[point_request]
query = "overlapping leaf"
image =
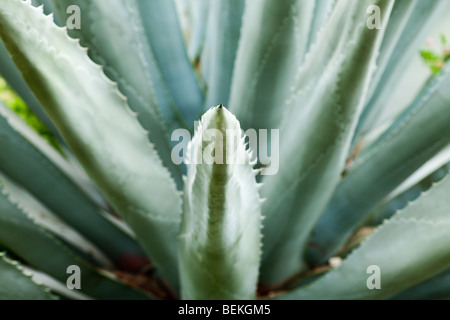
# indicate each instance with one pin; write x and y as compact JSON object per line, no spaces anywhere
{"x":316,"y":133}
{"x":385,"y":165}
{"x":220,"y":238}
{"x":410,"y":248}
{"x":97,"y":124}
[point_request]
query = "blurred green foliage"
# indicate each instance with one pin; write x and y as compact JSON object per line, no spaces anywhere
{"x":16,"y":104}
{"x":435,"y":58}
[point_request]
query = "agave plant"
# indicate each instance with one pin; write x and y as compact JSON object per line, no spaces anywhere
{"x":355,"y":210}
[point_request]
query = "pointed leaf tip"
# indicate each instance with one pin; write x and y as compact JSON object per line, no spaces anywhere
{"x":220,"y":233}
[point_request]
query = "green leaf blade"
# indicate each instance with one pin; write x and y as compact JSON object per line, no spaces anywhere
{"x":128,"y":60}
{"x":25,"y":160}
{"x":432,"y":289}
{"x":15,"y":285}
{"x":224,"y":29}
{"x":385,"y":165}
{"x":158,"y":17}
{"x":273,"y":44}
{"x":411,"y":26}
{"x":315,"y":138}
{"x":409,"y":248}
{"x":220,"y":234}
{"x":41,"y":249}
{"x":99,"y":127}
{"x":13,"y":77}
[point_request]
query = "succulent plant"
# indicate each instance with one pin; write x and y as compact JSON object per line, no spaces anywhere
{"x":353,"y":211}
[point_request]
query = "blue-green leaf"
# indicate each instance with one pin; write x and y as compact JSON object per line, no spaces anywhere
{"x":273,"y":42}
{"x":322,"y":12}
{"x":408,"y":249}
{"x":130,"y":61}
{"x":412,"y":22}
{"x":315,"y":136}
{"x":40,"y":249}
{"x":12,"y":75}
{"x":98,"y":126}
{"x":159,"y":17}
{"x":26,"y":159}
{"x":199,"y":11}
{"x":438,"y":287}
{"x":224,"y":28}
{"x":391,"y":205}
{"x":220,"y":239}
{"x":15,"y":285}
{"x":419,"y":133}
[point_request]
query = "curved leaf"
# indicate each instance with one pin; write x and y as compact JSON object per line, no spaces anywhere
{"x":97,"y":125}
{"x":224,"y":28}
{"x":48,"y":220}
{"x":390,"y":206}
{"x":322,"y":12}
{"x":437,"y":287}
{"x":220,"y":238}
{"x":273,"y":43}
{"x":40,"y":249}
{"x":419,"y":133}
{"x":26,"y":160}
{"x":159,"y":16}
{"x":315,"y":138}
{"x":408,"y":249}
{"x":199,"y":10}
{"x":406,"y":36}
{"x":12,"y":75}
{"x":15,"y":285}
{"x":130,"y":61}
